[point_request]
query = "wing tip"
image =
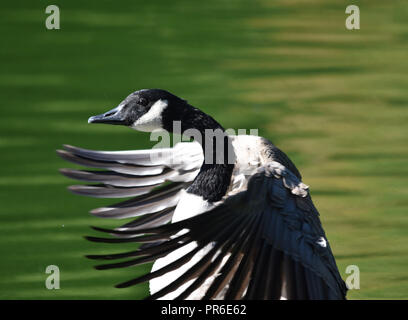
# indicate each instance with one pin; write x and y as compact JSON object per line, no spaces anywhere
{"x":93,"y":256}
{"x":94,"y":239}
{"x":69,"y":147}
{"x":102,"y":267}
{"x":76,"y":188}
{"x":102,"y":229}
{"x":64,"y":171}
{"x":123,"y":285}
{"x":61,"y":152}
{"x":101,"y":212}
{"x":72,"y":173}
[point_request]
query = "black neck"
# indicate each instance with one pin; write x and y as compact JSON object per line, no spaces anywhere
{"x":215,"y":174}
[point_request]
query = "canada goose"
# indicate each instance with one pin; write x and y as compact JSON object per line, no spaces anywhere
{"x":245,"y":228}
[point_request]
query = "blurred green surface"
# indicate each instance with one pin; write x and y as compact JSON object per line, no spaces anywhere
{"x":334,"y":100}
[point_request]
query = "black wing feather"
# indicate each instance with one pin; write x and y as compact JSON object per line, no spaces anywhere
{"x":279,"y":256}
{"x":269,"y":233}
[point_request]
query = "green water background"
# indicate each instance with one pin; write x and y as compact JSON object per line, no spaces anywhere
{"x":334,"y":100}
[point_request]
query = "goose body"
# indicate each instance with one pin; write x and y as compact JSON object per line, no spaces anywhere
{"x":233,"y":223}
{"x":250,"y":154}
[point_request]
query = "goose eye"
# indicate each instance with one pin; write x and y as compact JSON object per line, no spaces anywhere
{"x":142,"y":101}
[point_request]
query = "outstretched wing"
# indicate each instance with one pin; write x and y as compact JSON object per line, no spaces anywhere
{"x":152,"y":178}
{"x":265,"y":243}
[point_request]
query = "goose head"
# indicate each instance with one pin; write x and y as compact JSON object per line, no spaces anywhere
{"x":145,"y":110}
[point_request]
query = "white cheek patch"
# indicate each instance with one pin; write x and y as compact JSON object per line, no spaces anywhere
{"x":151,"y":120}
